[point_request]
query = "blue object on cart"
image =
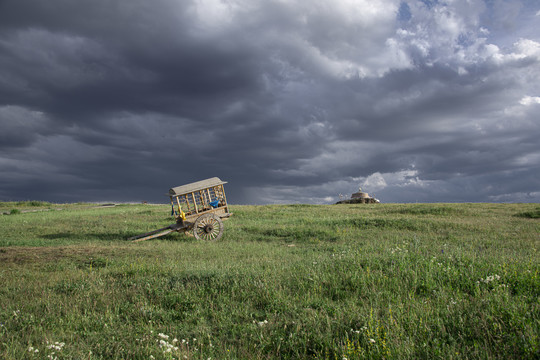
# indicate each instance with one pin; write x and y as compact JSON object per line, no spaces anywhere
{"x":214,"y":203}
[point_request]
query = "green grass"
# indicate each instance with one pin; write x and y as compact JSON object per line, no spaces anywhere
{"x":533,"y":214}
{"x":376,"y":281}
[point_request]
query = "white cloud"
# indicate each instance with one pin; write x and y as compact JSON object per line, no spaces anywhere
{"x":527,"y":48}
{"x":462,"y":71}
{"x":214,"y":15}
{"x":374,"y":182}
{"x":529,"y":100}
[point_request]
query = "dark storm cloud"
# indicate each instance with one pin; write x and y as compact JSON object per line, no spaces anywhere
{"x":287,"y":100}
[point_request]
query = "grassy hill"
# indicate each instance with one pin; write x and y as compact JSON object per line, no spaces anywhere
{"x":447,"y":281}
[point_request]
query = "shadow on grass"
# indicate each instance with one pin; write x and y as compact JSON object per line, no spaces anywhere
{"x":119,"y":236}
{"x":427,"y":210}
{"x":534,"y":214}
{"x":298,"y":234}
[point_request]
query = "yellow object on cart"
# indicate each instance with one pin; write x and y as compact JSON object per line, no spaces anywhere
{"x":182,"y":214}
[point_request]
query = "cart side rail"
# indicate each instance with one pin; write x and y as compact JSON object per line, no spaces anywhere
{"x":211,"y":199}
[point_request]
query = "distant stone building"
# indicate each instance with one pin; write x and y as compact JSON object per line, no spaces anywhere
{"x":359,"y":198}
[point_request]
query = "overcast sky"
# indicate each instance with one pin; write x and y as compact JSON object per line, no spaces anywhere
{"x":290,"y":101}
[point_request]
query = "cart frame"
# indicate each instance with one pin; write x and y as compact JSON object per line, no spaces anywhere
{"x":197,"y":207}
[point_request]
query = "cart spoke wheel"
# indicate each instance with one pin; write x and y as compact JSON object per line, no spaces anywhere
{"x":208,"y":227}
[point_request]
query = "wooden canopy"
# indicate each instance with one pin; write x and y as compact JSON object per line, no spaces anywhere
{"x":196,"y":186}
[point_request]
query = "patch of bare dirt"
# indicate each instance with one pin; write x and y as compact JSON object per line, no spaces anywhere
{"x":26,"y":255}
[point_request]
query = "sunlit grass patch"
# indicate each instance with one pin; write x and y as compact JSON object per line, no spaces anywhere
{"x":425,"y":209}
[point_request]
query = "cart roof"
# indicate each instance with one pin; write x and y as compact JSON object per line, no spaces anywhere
{"x":199,"y":185}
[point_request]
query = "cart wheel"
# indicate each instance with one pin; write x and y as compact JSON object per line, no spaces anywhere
{"x":208,"y":227}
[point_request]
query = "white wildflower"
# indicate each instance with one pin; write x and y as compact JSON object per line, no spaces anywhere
{"x":262,"y":323}
{"x":56,"y":346}
{"x":490,"y":278}
{"x":372,"y":341}
{"x":163,"y":336}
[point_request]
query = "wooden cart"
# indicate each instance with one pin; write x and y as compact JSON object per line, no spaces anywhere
{"x":198,"y":209}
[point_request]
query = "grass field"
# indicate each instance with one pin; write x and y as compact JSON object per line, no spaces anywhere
{"x":381,"y":281}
